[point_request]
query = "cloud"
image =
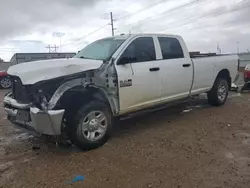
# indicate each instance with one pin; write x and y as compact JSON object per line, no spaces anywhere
{"x":28,"y":25}
{"x":203,"y":24}
{"x":26,"y":16}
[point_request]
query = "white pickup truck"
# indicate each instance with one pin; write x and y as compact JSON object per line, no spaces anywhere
{"x":112,"y":77}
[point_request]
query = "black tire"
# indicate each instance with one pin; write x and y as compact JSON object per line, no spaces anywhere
{"x":215,"y":96}
{"x":5,"y":82}
{"x":76,"y":133}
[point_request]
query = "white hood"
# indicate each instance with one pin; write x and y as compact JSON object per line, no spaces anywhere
{"x":33,"y":72}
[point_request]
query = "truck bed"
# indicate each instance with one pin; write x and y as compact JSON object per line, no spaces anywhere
{"x":198,"y":54}
{"x":207,"y":68}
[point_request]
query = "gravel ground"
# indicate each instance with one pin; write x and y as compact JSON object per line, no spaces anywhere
{"x":202,"y":146}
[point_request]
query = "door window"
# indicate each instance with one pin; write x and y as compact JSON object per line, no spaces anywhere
{"x":170,"y":48}
{"x":140,"y":50}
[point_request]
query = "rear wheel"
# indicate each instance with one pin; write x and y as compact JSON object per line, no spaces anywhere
{"x":5,"y":82}
{"x":219,"y":93}
{"x":91,"y":126}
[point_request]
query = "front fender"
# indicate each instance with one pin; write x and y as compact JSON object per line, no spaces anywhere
{"x":82,"y":82}
{"x":63,"y":88}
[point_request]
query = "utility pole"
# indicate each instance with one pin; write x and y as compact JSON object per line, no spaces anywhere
{"x":52,"y":49}
{"x":59,"y":35}
{"x":238,"y":47}
{"x":218,"y":48}
{"x":112,"y":23}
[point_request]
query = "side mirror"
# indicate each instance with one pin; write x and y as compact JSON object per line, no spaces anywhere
{"x":123,"y":61}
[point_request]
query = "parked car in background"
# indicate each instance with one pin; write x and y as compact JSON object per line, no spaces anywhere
{"x":5,"y":81}
{"x":247,"y":73}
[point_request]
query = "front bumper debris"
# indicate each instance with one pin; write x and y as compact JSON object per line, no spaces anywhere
{"x":31,"y":118}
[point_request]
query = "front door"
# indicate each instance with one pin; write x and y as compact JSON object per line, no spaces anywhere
{"x":139,"y":79}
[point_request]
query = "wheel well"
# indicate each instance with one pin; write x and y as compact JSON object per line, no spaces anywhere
{"x":73,"y":99}
{"x":225,"y":74}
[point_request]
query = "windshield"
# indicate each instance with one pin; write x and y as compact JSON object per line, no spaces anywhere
{"x":101,"y":50}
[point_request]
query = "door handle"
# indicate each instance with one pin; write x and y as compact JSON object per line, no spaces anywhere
{"x":186,"y":65}
{"x":154,"y":69}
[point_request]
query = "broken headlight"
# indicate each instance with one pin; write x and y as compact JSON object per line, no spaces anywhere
{"x":41,"y":93}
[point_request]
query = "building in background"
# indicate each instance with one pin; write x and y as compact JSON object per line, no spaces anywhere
{"x":27,"y":57}
{"x":4,"y":65}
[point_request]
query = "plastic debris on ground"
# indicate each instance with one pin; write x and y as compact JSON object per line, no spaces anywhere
{"x":188,"y":110}
{"x":76,"y":179}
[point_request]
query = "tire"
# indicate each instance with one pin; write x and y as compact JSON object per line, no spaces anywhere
{"x":219,"y":93}
{"x":5,"y":82}
{"x":93,"y":116}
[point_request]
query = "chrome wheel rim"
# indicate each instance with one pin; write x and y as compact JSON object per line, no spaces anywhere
{"x":94,"y":126}
{"x":222,"y":92}
{"x":5,"y":83}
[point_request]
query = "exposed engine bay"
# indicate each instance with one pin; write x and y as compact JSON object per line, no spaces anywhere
{"x":46,"y":95}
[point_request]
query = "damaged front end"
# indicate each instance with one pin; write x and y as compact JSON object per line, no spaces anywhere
{"x":26,"y":106}
{"x":39,"y":107}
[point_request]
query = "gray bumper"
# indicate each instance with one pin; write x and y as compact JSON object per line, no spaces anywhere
{"x":42,"y":122}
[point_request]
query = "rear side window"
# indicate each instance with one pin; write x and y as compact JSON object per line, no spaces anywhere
{"x":170,"y":48}
{"x":141,"y":50}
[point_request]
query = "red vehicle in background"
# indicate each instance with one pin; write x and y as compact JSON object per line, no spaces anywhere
{"x":247,"y":74}
{"x":5,"y":81}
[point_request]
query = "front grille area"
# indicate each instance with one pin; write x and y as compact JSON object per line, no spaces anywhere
{"x":19,"y":91}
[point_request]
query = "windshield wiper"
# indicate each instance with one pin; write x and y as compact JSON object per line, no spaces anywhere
{"x":82,"y":57}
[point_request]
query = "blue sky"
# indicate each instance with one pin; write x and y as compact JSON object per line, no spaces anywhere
{"x":28,"y":25}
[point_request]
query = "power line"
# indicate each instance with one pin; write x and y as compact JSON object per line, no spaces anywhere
{"x":80,"y":38}
{"x":170,"y":10}
{"x":112,"y":26}
{"x":100,"y":28}
{"x":206,"y":26}
{"x":216,"y":12}
{"x":142,"y":10}
{"x":112,"y":20}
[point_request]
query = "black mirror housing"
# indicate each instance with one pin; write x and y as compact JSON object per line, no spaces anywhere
{"x":123,"y":61}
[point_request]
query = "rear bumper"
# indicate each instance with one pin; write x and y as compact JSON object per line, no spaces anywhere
{"x":31,"y":118}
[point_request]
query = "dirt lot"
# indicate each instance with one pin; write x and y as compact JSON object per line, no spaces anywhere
{"x":203,"y":147}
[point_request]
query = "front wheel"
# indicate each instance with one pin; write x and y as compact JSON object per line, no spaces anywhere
{"x":91,"y":126}
{"x":219,"y":93}
{"x":5,"y":82}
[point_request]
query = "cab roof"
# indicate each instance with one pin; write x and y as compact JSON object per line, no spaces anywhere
{"x":126,"y":36}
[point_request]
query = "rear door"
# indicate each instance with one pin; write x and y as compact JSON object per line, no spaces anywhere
{"x":139,"y":79}
{"x":176,"y":70}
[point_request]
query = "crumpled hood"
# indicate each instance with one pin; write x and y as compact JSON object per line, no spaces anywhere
{"x":33,"y":72}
